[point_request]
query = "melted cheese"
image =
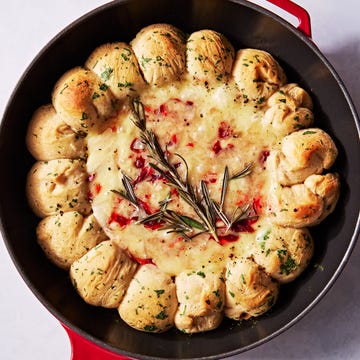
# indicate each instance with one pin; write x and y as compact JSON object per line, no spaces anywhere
{"x":210,"y":129}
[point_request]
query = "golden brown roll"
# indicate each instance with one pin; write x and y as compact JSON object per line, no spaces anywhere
{"x":58,"y":186}
{"x":150,"y":301}
{"x":257,"y":74}
{"x":49,"y":137}
{"x":294,"y":206}
{"x":249,"y":290}
{"x":83,"y":100}
{"x":160,"y":50}
{"x":201,"y":298}
{"x":117,"y":66}
{"x":289,"y":109}
{"x":299,"y":205}
{"x":304,"y":153}
{"x":327,"y":187}
{"x":102,"y":275}
{"x":66,"y":237}
{"x":210,"y":56}
{"x":282,"y":252}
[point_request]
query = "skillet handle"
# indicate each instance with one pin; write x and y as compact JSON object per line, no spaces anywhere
{"x":83,"y":349}
{"x":299,"y":12}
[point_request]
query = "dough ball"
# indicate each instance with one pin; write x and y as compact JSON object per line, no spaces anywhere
{"x":210,"y":56}
{"x":66,"y":237}
{"x":249,"y":290}
{"x":160,"y":50}
{"x":257,"y":74}
{"x":304,"y":153}
{"x":102,"y":275}
{"x":150,"y":301}
{"x":289,"y":109}
{"x":83,"y":100}
{"x":295,"y":206}
{"x":327,"y":187}
{"x":117,"y":66}
{"x":49,"y":137}
{"x":300,"y":205}
{"x":283,"y":253}
{"x":58,"y":186}
{"x":201,"y":298}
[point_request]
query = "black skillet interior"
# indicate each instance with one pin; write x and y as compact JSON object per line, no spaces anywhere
{"x":246,"y":25}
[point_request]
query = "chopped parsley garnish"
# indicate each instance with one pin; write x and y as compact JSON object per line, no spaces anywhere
{"x":159,"y":292}
{"x":144,"y":61}
{"x":161,"y":315}
{"x":105,"y":75}
{"x":308,"y":132}
{"x":125,"y":84}
{"x":151,"y":328}
{"x":288,"y":266}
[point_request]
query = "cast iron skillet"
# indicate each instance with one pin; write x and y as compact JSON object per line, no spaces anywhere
{"x":246,"y":25}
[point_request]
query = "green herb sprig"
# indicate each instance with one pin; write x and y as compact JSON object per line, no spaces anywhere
{"x":207,"y":210}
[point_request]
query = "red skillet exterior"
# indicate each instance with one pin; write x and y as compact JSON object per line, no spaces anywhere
{"x":246,"y":25}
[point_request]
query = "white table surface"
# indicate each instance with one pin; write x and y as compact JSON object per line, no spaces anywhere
{"x":28,"y":331}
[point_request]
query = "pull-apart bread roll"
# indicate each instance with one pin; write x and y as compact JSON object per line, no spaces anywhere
{"x":282,"y":252}
{"x":118,"y":68}
{"x":296,"y":198}
{"x":304,"y":153}
{"x":201,"y":298}
{"x":257,"y":74}
{"x":83,"y":100}
{"x":58,"y":186}
{"x":160,"y":50}
{"x":327,"y":187}
{"x":150,"y":301}
{"x":102,"y":276}
{"x":66,"y":237}
{"x":249,"y":290}
{"x":305,"y":204}
{"x":289,"y":109}
{"x":49,"y":137}
{"x":210,"y":56}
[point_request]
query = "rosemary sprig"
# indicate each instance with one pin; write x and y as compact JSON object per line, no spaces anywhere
{"x":128,"y":193}
{"x":182,"y":225}
{"x":224,"y":187}
{"x":174,"y":223}
{"x":165,"y":168}
{"x":219,"y":208}
{"x":242,"y":173}
{"x":207,"y":210}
